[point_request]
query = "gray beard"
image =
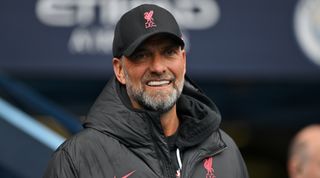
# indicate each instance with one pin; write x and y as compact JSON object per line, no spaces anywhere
{"x":155,"y":103}
{"x":161,"y":102}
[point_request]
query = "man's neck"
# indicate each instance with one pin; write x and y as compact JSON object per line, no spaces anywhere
{"x":170,"y":122}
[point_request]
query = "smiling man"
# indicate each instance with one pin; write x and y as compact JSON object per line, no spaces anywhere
{"x":150,"y":120}
{"x":154,"y":73}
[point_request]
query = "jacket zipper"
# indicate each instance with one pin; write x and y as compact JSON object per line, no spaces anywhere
{"x":164,"y":163}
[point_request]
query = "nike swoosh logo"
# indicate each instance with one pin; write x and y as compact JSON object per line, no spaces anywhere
{"x":126,"y":176}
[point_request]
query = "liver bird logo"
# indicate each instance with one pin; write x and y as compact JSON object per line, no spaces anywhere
{"x":148,"y":16}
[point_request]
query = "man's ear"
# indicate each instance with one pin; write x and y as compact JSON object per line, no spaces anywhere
{"x":184,"y":58}
{"x":118,"y":70}
{"x":294,"y":168}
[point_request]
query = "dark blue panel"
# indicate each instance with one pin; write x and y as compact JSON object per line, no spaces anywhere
{"x":249,"y":39}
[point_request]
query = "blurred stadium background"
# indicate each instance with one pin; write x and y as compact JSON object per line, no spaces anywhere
{"x":258,"y":60}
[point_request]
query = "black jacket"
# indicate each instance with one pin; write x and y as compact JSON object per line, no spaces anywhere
{"x":121,"y":142}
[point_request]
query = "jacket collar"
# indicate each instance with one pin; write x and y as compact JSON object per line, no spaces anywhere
{"x":113,"y":115}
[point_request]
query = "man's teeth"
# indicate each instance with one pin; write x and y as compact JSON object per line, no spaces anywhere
{"x":158,"y":83}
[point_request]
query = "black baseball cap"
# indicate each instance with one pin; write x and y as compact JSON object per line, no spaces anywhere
{"x":140,"y":23}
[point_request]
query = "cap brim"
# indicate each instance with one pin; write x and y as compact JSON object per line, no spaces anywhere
{"x":130,"y":50}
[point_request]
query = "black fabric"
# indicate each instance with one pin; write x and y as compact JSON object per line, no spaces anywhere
{"x":171,"y":140}
{"x":197,"y":122}
{"x":118,"y":140}
{"x":131,"y":30}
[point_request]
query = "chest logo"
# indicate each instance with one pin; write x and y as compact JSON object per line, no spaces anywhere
{"x":208,"y":166}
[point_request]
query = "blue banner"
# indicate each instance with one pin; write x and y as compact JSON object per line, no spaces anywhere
{"x":249,"y":39}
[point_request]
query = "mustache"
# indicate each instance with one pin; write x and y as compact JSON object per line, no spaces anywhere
{"x":156,"y":76}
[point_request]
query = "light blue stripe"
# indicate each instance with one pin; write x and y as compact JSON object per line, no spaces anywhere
{"x":29,"y":125}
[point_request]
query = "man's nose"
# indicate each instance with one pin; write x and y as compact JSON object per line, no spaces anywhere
{"x":158,"y":64}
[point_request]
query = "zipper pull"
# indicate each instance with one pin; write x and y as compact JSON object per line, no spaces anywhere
{"x":178,"y":173}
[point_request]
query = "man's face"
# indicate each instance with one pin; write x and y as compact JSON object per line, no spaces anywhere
{"x":311,"y":169}
{"x":305,"y":161}
{"x":153,"y":74}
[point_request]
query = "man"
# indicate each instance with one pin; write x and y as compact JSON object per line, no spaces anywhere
{"x":150,"y":120}
{"x":304,"y":153}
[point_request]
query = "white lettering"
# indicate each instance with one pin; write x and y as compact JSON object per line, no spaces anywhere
{"x":190,"y":14}
{"x":85,"y":12}
{"x":81,"y":41}
{"x":92,"y":18}
{"x":56,"y":12}
{"x":93,"y":41}
{"x":103,"y":41}
{"x":111,"y":11}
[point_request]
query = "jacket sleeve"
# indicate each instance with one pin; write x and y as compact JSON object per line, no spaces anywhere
{"x":242,"y":166}
{"x":60,"y":166}
{"x":234,"y":154}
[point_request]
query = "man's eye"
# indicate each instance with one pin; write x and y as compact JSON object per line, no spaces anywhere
{"x":171,"y":52}
{"x":138,"y":56}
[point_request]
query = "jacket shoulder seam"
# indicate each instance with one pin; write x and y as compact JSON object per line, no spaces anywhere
{"x":74,"y":169}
